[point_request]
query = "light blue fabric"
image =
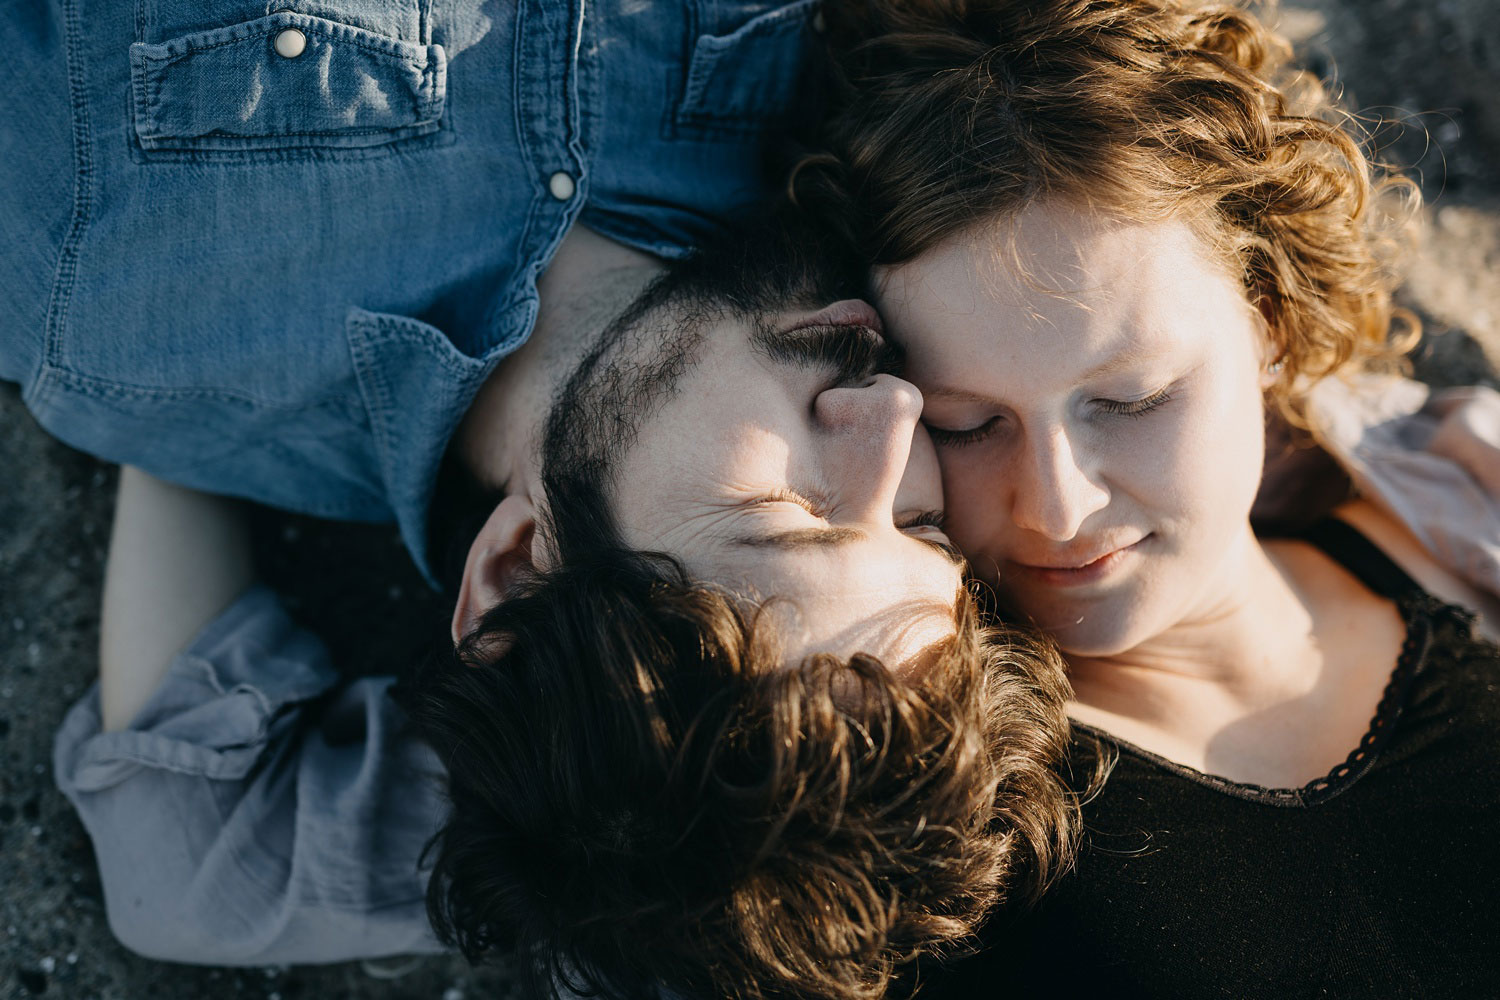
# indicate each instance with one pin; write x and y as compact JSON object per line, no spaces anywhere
{"x":257,"y":812}
{"x":284,"y":277}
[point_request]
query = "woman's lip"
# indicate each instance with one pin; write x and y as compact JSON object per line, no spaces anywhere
{"x":1089,"y":572}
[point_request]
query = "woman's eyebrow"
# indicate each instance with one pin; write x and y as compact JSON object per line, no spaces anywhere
{"x":1128,"y":359}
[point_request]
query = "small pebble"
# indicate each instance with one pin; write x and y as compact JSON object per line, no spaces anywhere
{"x":48,"y":965}
{"x":72,"y":958}
{"x":453,"y":993}
{"x":34,"y":652}
{"x":19,"y":624}
{"x":1447,"y":132}
{"x":36,"y":831}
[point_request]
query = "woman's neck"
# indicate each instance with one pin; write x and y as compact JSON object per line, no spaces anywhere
{"x":1273,"y":680}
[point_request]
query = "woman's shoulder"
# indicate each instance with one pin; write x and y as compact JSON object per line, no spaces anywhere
{"x":1397,"y":541}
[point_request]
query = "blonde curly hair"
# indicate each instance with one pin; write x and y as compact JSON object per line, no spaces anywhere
{"x":947,"y":112}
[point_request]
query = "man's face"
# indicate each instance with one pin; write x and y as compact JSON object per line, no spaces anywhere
{"x":779,"y":461}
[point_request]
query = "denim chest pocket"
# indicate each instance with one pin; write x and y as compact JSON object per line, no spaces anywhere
{"x":743,"y":76}
{"x":280,"y":84}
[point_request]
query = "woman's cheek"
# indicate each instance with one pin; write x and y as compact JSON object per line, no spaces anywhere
{"x":973,"y":501}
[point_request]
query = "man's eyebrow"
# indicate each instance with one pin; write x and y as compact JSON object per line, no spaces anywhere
{"x":802,"y":538}
{"x":845,"y":346}
{"x":816,"y":538}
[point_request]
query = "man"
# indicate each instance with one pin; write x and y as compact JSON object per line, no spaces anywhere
{"x":651,"y":778}
{"x":292,"y":257}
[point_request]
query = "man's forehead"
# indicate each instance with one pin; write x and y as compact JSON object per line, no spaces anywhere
{"x":898,"y":631}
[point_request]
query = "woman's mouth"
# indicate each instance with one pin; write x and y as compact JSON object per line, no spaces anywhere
{"x":1075,"y":572}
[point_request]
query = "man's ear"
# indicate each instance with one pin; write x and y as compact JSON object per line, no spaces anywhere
{"x":500,"y":554}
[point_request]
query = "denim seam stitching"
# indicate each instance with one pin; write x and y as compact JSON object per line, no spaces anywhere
{"x":335,"y":33}
{"x":432,"y":135}
{"x":376,"y":396}
{"x":67,"y":261}
{"x":107,"y":389}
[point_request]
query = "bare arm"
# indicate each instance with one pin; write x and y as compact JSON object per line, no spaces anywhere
{"x":177,"y":558}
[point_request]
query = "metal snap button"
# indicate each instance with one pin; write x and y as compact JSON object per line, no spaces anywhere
{"x":561,"y":186}
{"x":290,"y":43}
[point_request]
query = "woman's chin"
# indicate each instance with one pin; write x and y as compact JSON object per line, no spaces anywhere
{"x":1088,"y":629}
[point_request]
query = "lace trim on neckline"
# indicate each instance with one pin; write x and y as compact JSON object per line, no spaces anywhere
{"x":1418,"y":611}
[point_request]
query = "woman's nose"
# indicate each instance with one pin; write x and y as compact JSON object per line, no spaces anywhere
{"x":1052,"y":493}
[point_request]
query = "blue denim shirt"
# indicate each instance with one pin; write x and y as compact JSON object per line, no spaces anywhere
{"x":272,"y":248}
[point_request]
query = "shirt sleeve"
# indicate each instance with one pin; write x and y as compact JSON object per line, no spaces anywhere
{"x":1427,"y":459}
{"x":258,"y":810}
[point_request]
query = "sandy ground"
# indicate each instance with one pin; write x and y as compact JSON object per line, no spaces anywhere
{"x":1430,"y":69}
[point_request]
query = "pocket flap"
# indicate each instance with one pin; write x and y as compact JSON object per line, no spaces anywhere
{"x":752,"y":73}
{"x":232,"y":88}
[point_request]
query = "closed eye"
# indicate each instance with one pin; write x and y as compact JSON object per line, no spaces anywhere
{"x":1134,"y":407}
{"x":922,"y":519}
{"x":815,"y":507}
{"x":957,"y":439}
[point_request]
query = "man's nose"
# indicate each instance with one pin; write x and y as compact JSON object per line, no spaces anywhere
{"x":1052,"y":493}
{"x":869,"y":432}
{"x":881,"y":404}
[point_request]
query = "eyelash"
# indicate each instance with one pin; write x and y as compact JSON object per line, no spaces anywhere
{"x":1135,"y":407}
{"x":924,"y":519}
{"x":957,"y":439}
{"x":793,"y":497}
{"x":1123,"y":408}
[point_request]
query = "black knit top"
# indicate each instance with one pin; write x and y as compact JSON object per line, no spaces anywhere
{"x":1381,"y":879}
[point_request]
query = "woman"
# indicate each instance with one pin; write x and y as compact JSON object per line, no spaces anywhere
{"x":1111,"y":238}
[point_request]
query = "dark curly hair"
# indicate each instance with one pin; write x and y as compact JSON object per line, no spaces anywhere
{"x":642,"y":795}
{"x":946,"y":113}
{"x":645,"y":793}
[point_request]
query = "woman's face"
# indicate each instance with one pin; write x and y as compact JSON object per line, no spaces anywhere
{"x":1094,"y":389}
